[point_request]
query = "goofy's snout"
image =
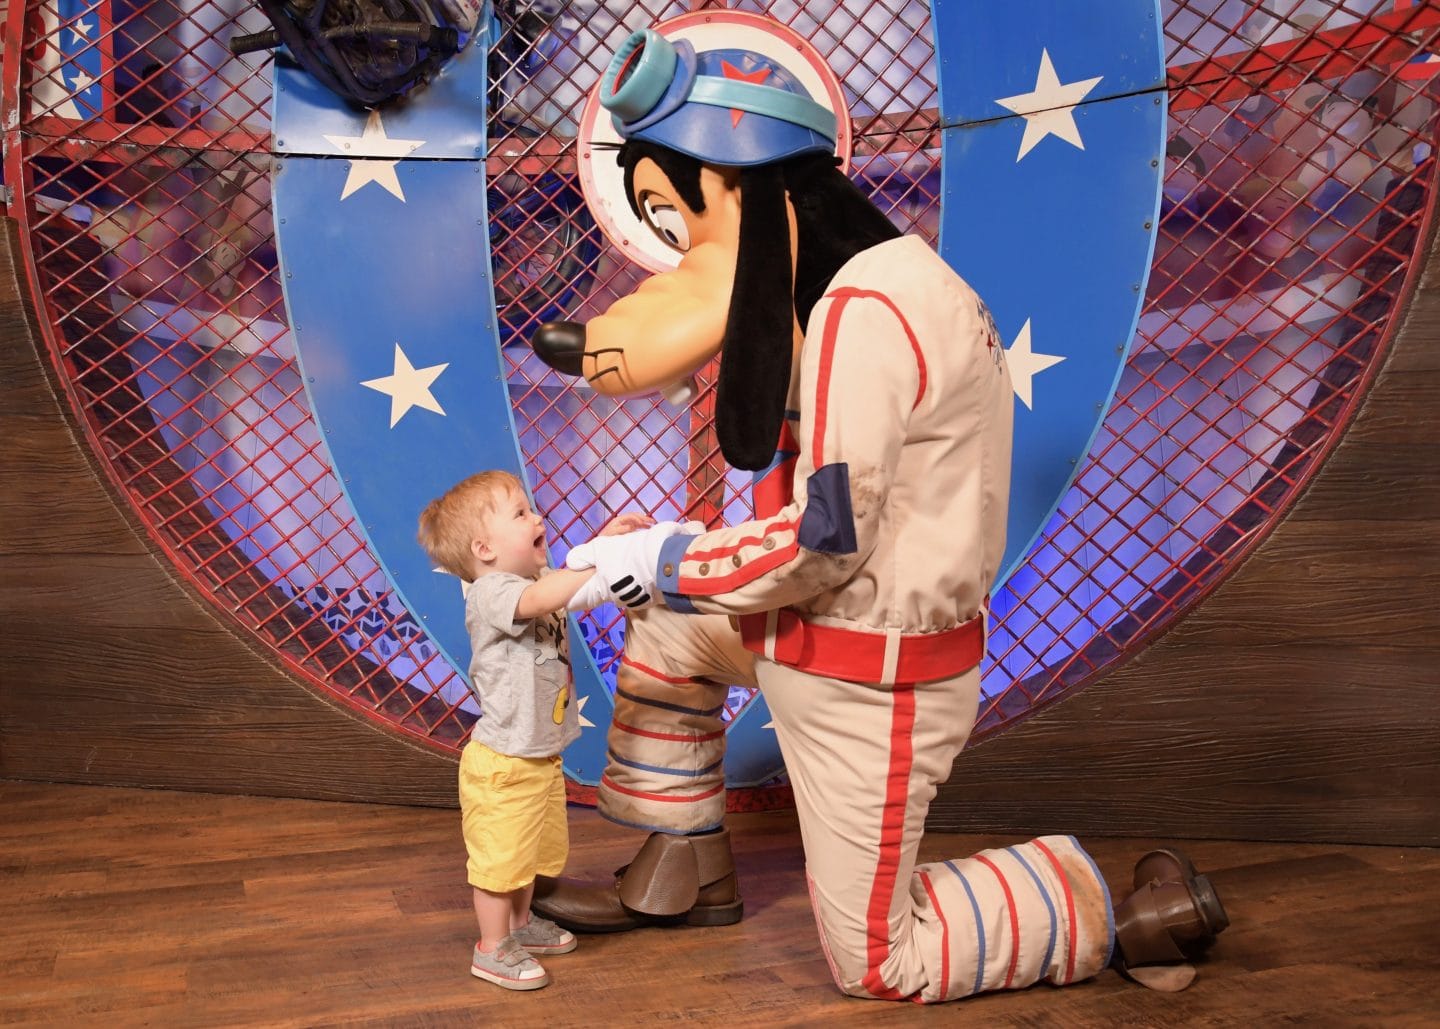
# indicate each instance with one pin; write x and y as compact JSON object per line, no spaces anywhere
{"x":561,"y":345}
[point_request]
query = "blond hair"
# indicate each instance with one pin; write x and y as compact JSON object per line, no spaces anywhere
{"x":448,"y":523}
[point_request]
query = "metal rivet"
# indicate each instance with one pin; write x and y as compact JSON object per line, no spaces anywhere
{"x":705,"y":568}
{"x":668,"y":570}
{"x":735,"y":560}
{"x":769,"y":544}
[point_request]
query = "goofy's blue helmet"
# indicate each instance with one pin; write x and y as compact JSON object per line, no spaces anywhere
{"x":724,"y":107}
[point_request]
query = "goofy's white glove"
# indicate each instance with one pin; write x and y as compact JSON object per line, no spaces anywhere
{"x":624,"y":565}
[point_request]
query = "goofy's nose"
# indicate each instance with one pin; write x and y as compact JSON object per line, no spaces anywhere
{"x":561,"y":345}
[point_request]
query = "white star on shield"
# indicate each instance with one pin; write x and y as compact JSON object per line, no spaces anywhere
{"x":1049,"y":110}
{"x":1025,"y":364}
{"x":408,"y":386}
{"x":370,"y":144}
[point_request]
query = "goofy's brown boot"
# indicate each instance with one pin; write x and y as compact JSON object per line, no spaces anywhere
{"x":1172,"y":916}
{"x":674,"y":880}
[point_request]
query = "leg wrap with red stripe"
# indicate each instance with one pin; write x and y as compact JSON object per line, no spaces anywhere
{"x":1010,"y":917}
{"x":667,"y":740}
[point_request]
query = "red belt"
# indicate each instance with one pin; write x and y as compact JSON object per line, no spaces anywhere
{"x":856,"y":656}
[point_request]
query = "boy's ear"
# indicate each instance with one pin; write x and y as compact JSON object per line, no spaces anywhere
{"x":481,"y":550}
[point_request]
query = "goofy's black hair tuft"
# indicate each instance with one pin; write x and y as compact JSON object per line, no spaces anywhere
{"x":834,"y":221}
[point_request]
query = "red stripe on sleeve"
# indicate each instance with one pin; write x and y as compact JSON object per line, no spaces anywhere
{"x":729,"y":549}
{"x":748,"y":572}
{"x":851,"y":293}
{"x":822,"y":383}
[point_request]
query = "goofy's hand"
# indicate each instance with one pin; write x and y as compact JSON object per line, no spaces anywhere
{"x":625,"y":565}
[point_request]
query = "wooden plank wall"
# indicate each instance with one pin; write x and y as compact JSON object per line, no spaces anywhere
{"x":1297,"y":702}
{"x":112,"y":669}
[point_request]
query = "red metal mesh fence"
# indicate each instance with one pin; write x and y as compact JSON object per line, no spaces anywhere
{"x":1298,"y":178}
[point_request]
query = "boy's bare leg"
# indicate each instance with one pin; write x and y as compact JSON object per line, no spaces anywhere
{"x":499,"y":957}
{"x":520,"y":906}
{"x":493,"y":913}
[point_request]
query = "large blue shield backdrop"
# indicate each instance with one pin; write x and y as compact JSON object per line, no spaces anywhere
{"x":382,"y":227}
{"x":1053,"y":136}
{"x":1052,"y":119}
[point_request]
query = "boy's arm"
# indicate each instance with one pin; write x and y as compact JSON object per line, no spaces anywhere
{"x":550,"y":593}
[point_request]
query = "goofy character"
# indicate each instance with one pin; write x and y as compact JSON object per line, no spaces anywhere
{"x":855,"y":599}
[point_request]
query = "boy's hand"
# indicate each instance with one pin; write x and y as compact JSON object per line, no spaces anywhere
{"x":621,"y":524}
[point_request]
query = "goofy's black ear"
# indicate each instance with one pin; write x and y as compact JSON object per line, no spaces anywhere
{"x":757,"y":349}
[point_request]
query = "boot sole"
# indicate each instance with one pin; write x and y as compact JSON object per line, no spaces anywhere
{"x":589,"y":928}
{"x":708,"y":916}
{"x":716,"y":914}
{"x":1207,"y":902}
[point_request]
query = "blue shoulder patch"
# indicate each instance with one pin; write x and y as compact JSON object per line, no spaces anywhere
{"x":828,"y":526}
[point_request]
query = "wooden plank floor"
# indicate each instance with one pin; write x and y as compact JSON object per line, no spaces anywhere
{"x":134,"y":907}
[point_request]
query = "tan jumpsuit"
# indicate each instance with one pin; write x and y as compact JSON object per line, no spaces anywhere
{"x":859,"y":597}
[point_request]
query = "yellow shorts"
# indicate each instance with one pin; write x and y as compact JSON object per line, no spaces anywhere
{"x":513,"y":813}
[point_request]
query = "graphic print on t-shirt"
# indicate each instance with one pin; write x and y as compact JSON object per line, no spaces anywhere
{"x":550,"y":639}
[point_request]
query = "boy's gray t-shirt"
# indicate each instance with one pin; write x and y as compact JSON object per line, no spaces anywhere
{"x":520,"y":671}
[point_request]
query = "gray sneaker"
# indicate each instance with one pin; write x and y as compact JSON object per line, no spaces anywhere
{"x":509,"y":965}
{"x":542,"y":936}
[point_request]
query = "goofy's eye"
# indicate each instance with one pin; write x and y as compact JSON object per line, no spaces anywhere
{"x":665,"y":221}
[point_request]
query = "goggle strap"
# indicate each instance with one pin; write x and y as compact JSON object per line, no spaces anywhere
{"x":765,"y":100}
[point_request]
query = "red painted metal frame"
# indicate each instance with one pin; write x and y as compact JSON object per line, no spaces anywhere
{"x":1329,"y":54}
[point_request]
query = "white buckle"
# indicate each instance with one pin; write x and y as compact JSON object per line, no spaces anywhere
{"x":892,"y":657}
{"x":772,"y":620}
